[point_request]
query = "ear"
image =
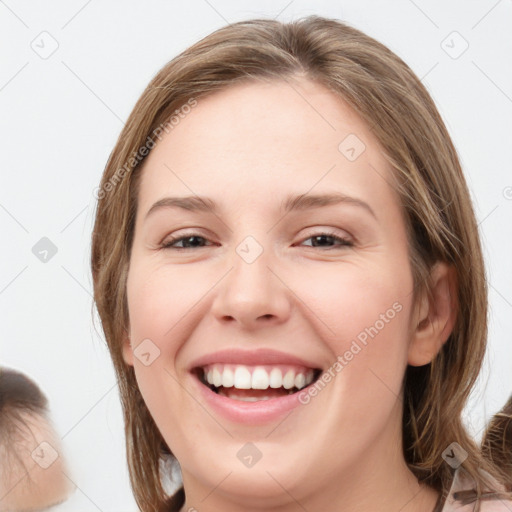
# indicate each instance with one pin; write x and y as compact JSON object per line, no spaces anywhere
{"x":434,"y":319}
{"x":127,"y":349}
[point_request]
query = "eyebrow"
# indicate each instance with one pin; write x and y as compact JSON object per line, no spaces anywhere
{"x":291,"y":203}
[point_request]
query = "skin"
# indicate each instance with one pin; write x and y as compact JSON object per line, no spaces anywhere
{"x":247,"y":147}
{"x":36,"y":485}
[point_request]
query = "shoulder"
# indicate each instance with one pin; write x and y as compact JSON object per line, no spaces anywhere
{"x":462,"y":482}
{"x":496,"y":506}
{"x":485,"y":506}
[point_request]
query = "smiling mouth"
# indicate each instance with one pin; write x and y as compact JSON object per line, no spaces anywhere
{"x":255,"y":383}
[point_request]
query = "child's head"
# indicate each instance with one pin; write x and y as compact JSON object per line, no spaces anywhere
{"x":31,"y":469}
{"x":274,"y":122}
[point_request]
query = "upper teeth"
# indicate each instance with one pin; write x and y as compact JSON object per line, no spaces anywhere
{"x":257,"y":377}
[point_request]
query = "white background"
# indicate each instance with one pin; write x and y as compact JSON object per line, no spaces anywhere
{"x":60,"y":118}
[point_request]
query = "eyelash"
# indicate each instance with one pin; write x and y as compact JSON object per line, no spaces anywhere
{"x":344,"y":242}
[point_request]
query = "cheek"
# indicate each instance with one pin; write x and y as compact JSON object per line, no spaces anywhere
{"x":161,"y":310}
{"x":158,"y":299}
{"x":361,"y":314}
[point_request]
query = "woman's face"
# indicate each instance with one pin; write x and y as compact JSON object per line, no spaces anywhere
{"x":259,"y":295}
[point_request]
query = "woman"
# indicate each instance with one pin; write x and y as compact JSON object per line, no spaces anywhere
{"x":280,"y":260}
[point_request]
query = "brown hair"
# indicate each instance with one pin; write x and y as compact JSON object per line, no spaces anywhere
{"x":24,"y":425}
{"x":439,"y":217}
{"x":19,"y":397}
{"x":497,"y":439}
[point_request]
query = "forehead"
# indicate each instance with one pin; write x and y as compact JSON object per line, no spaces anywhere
{"x":258,"y":138}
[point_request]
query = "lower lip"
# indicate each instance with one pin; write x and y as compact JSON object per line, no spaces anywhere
{"x":254,"y":413}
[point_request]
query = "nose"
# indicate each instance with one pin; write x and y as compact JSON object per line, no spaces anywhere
{"x":252,"y":294}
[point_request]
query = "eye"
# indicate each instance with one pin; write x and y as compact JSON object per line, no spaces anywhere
{"x":189,"y":241}
{"x":320,"y":238}
{"x":194,"y":241}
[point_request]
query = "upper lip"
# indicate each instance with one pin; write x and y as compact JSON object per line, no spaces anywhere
{"x":256,"y":357}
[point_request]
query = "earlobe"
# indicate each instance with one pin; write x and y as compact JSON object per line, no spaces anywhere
{"x":127,"y":349}
{"x":436,"y":316}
